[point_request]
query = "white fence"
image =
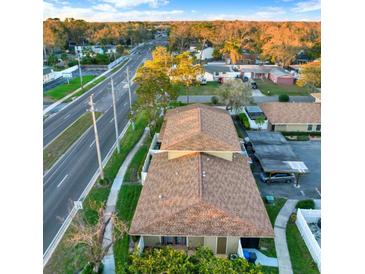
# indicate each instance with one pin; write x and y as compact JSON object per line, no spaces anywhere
{"x":305,"y":216}
{"x":151,"y":151}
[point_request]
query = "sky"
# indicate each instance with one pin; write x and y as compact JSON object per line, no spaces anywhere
{"x":166,"y":10}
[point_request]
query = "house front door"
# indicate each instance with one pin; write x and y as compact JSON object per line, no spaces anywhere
{"x":221,"y":245}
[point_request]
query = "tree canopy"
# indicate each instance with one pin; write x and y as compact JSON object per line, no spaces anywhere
{"x":310,"y":74}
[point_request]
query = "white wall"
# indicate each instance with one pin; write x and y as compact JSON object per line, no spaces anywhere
{"x":303,"y":217}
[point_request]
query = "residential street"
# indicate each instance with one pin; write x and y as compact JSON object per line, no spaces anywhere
{"x":65,"y":182}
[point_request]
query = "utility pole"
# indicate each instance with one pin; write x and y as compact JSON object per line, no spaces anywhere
{"x":115,"y":117}
{"x":78,"y":60}
{"x":130,"y":97}
{"x":92,"y":110}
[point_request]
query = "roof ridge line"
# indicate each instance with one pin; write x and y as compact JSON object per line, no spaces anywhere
{"x":200,"y":182}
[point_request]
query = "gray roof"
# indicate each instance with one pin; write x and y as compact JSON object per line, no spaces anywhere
{"x":216,"y":68}
{"x":254,"y":109}
{"x":275,"y":153}
{"x":280,"y":72}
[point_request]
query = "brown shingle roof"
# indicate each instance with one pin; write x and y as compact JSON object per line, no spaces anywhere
{"x":198,"y":195}
{"x":198,"y":128}
{"x":296,"y":113}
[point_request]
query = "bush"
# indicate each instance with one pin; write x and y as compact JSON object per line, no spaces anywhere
{"x":293,"y":218}
{"x":284,"y":98}
{"x":244,"y":120}
{"x":214,"y":100}
{"x":305,"y":204}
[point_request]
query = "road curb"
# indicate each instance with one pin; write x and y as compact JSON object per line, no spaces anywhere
{"x":56,"y":240}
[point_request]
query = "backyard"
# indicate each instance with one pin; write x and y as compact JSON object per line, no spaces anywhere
{"x":269,"y":88}
{"x":211,"y":88}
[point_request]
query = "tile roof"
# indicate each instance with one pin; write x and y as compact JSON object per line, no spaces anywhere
{"x":199,"y":194}
{"x":198,"y":128}
{"x":292,"y":113}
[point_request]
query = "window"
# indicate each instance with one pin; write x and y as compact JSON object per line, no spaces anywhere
{"x":318,"y":128}
{"x":174,"y":240}
{"x":310,"y":127}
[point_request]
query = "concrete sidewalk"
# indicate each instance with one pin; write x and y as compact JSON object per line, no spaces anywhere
{"x":108,"y":261}
{"x":281,"y":245}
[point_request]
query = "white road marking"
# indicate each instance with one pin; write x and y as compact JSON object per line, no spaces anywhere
{"x":319,"y":193}
{"x":92,"y":143}
{"x":111,"y":120}
{"x":302,"y":192}
{"x":68,"y":115}
{"x":64,"y":178}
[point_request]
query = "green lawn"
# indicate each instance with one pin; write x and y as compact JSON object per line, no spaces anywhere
{"x":133,"y":172}
{"x":267,"y":246}
{"x":211,"y":88}
{"x":267,"y":87}
{"x":59,"y":146}
{"x":64,"y":89}
{"x":93,"y":84}
{"x":126,"y":205}
{"x":68,"y":260}
{"x":300,"y":257}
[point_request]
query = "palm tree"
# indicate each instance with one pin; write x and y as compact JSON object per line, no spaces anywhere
{"x":233,"y":48}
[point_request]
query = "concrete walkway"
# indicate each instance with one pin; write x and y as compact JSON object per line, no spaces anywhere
{"x":281,"y":245}
{"x":108,"y":261}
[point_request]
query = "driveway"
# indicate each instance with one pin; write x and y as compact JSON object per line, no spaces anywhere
{"x":310,"y":153}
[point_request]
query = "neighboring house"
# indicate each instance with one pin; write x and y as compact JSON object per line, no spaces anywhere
{"x":96,"y":49}
{"x":281,"y":77}
{"x":205,"y":54}
{"x":304,"y":117}
{"x":214,"y":71}
{"x":199,"y":189}
{"x":316,"y":96}
{"x":48,"y":75}
{"x":276,"y":74}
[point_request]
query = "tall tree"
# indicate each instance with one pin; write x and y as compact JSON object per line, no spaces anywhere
{"x":310,"y":75}
{"x":233,"y":49}
{"x":185,"y":72}
{"x":154,"y":93}
{"x":235,"y":94}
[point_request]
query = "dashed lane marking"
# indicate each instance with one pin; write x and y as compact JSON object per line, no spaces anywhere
{"x":64,"y":178}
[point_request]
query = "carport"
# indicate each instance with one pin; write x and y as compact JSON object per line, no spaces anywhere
{"x":275,"y":154}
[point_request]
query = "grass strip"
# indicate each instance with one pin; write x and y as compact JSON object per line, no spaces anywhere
{"x":60,"y":145}
{"x":210,"y":88}
{"x":269,"y":88}
{"x":267,"y":245}
{"x":62,"y":90}
{"x":68,"y":260}
{"x":119,"y":66}
{"x":134,"y":170}
{"x":126,"y":205}
{"x":82,"y":91}
{"x":301,"y":260}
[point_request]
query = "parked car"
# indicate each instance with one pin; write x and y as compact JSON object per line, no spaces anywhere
{"x":253,"y":85}
{"x":203,"y":81}
{"x":277,"y":177}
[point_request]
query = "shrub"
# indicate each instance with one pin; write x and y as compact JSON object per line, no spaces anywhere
{"x":244,"y":120}
{"x":305,"y":204}
{"x":293,"y":218}
{"x":284,"y":98}
{"x":214,"y":100}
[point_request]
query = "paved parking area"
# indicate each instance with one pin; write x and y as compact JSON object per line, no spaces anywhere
{"x":310,"y":153}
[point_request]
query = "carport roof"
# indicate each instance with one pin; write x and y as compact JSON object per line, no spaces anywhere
{"x":274,"y":152}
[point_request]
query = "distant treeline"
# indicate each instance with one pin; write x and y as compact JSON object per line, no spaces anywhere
{"x":278,"y":42}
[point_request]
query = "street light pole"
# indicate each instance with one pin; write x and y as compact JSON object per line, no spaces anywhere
{"x":92,"y":110}
{"x":78,"y":60}
{"x":115,"y":117}
{"x":130,"y":97}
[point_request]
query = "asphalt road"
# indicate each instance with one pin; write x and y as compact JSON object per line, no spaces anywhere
{"x":58,"y":122}
{"x":67,"y":179}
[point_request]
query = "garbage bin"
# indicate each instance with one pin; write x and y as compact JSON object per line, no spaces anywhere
{"x":252,"y":257}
